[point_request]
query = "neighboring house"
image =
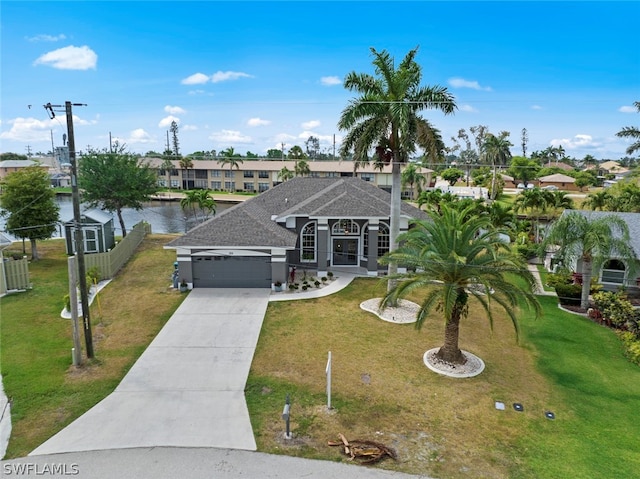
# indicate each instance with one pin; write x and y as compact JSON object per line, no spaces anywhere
{"x":614,"y":273}
{"x":261,"y":175}
{"x":11,"y":166}
{"x":314,"y":224}
{"x":562,"y":182}
{"x":60,"y":180}
{"x":98,"y":232}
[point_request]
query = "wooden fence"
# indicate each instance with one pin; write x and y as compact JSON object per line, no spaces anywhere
{"x":109,"y":263}
{"x":14,"y":275}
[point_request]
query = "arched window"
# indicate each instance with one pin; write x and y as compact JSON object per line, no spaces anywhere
{"x":345,"y":227}
{"x":383,"y":240}
{"x":308,"y":243}
{"x":613,"y":272}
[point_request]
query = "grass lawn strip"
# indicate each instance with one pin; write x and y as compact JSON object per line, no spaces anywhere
{"x":47,"y":392}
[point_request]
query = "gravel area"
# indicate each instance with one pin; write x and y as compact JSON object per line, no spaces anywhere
{"x":405,"y":313}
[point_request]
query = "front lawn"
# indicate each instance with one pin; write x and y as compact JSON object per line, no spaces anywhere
{"x":47,"y":392}
{"x":448,"y":428}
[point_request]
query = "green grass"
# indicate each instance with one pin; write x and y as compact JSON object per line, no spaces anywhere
{"x":444,"y":427}
{"x":35,"y":360}
{"x":596,"y":436}
{"x":543,"y":277}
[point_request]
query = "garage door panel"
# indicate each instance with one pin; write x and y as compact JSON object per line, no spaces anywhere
{"x":231,"y":271}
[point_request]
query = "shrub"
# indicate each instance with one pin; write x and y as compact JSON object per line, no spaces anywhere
{"x":569,"y":294}
{"x":615,"y":308}
{"x":317,"y":283}
{"x":324,"y":279}
{"x":631,"y":345}
{"x":305,"y":287}
{"x":67,"y":302}
{"x":330,"y":274}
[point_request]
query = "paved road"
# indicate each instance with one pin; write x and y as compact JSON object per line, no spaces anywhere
{"x":188,"y":463}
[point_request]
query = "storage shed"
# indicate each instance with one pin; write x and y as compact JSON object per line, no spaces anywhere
{"x":98,"y":232}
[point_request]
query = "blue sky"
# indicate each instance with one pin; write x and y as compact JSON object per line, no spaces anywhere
{"x":252,"y":75}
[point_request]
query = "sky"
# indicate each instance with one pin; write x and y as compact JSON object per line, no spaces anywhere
{"x":255,"y":75}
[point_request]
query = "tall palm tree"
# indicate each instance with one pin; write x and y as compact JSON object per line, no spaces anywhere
{"x":302,"y":168}
{"x":453,"y":257}
{"x":589,"y":240}
{"x":411,"y":177}
{"x":231,"y":158}
{"x":632,"y":132}
{"x":534,"y":203}
{"x":199,"y":200}
{"x":285,"y":174}
{"x":495,"y":150}
{"x":167,"y":166}
{"x":185,"y":164}
{"x":385,"y":118}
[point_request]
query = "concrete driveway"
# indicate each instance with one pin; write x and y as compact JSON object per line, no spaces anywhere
{"x":187,"y":388}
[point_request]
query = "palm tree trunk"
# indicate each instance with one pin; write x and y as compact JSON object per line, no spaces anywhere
{"x":450,"y":351}
{"x":395,"y":221}
{"x":587,"y":272}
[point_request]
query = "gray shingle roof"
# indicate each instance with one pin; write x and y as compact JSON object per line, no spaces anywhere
{"x":632,"y":220}
{"x":250,"y":224}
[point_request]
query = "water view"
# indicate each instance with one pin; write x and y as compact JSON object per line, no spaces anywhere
{"x":163,"y":216}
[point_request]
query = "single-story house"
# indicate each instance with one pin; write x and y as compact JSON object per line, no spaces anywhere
{"x":314,"y":224}
{"x":615,"y":273}
{"x":563,"y":182}
{"x":98,"y":232}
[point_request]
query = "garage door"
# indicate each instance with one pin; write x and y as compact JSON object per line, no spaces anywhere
{"x":231,"y":271}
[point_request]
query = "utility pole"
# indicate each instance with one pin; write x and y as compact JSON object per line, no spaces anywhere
{"x":77,"y":220}
{"x":79,"y":240}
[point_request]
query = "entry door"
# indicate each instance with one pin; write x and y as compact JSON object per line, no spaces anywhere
{"x":345,"y":251}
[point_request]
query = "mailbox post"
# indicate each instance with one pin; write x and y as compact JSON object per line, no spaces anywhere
{"x":285,"y":416}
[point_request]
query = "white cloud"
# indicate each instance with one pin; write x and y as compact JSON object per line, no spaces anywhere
{"x":228,"y":75}
{"x":46,"y":38}
{"x":189,"y":128}
{"x":578,"y":141}
{"x":229,"y":137}
{"x":70,"y":58}
{"x":468,"y":108}
{"x":258,"y":122}
{"x":627,"y":109}
{"x":323,"y":138}
{"x":195,"y":79}
{"x":174,"y":110}
{"x":139,"y":135}
{"x":217,"y":77}
{"x":166,"y":121}
{"x":29,"y":129}
{"x":462,"y":83}
{"x":536,"y":107}
{"x":308,"y":125}
{"x":283,"y":138}
{"x":330,"y":81}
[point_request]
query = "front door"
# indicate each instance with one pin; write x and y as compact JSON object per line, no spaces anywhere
{"x":345,"y":251}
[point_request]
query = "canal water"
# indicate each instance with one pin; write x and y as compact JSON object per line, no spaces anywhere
{"x":163,"y":216}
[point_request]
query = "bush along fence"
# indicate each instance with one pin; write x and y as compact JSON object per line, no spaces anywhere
{"x":109,"y":263}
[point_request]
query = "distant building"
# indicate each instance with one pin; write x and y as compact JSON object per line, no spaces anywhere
{"x":260,"y":175}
